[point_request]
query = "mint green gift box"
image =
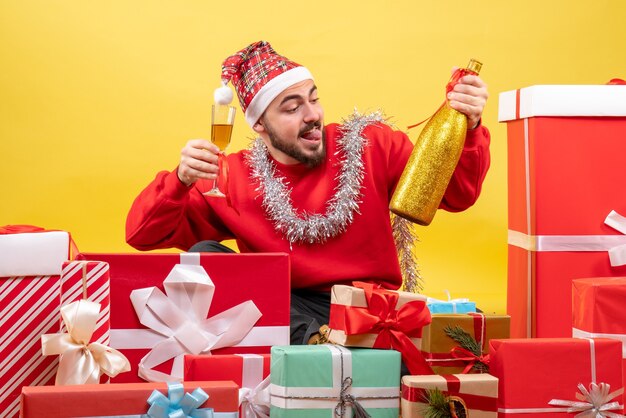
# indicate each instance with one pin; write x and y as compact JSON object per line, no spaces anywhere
{"x":311,"y":381}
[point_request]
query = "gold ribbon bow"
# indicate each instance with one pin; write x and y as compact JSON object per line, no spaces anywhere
{"x":81,"y":362}
{"x":593,"y":403}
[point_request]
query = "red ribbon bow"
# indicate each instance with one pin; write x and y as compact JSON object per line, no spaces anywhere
{"x":463,"y":354}
{"x":394,"y":327}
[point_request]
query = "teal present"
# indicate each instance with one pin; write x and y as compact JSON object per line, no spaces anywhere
{"x":316,"y":381}
{"x":460,"y":306}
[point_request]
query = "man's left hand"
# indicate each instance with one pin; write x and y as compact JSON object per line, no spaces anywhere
{"x":469,"y":97}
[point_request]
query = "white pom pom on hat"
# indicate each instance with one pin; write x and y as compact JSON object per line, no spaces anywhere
{"x":223,"y":95}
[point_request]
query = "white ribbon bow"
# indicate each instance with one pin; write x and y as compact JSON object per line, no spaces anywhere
{"x":80,"y":361}
{"x":256,"y":402}
{"x":617,"y":254}
{"x":593,"y":403}
{"x":180,"y":316}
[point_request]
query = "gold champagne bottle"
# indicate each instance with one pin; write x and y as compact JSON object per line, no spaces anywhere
{"x":433,"y":160}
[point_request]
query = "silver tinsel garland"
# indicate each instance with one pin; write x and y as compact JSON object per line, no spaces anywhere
{"x":340,"y":210}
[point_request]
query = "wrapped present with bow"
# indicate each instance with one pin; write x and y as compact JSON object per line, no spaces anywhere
{"x":450,"y":396}
{"x":334,"y":381}
{"x":552,"y":377}
{"x":250,"y":371}
{"x":557,"y":228}
{"x":598,"y":310}
{"x":132,"y":400}
{"x":459,"y":343}
{"x":365,"y":315}
{"x":31,"y":260}
{"x":164,"y":306}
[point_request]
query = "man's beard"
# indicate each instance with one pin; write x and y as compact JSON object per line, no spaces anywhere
{"x":292,"y":150}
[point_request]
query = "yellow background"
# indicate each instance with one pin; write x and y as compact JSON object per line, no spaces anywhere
{"x":97,"y":96}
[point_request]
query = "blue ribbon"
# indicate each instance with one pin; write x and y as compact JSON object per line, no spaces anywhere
{"x":178,"y":404}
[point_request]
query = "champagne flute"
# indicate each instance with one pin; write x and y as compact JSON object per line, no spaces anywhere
{"x":222,"y":119}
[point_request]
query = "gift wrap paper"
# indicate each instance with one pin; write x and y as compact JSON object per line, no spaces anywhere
{"x":116,"y":399}
{"x":306,"y":381}
{"x":437,"y":345}
{"x":478,"y":391}
{"x":599,"y":311}
{"x":532,"y":372}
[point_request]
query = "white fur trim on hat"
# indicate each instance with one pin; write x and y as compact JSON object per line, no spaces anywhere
{"x":273,"y":88}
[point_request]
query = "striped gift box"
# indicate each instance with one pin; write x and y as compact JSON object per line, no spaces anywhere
{"x":29,"y":307}
{"x":88,"y":280}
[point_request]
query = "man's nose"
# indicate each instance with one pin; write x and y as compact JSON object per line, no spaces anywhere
{"x":312,"y":113}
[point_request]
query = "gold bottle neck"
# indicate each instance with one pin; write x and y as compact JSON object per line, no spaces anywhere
{"x":474,"y":66}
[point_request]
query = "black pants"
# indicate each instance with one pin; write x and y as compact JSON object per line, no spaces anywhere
{"x":309,"y":310}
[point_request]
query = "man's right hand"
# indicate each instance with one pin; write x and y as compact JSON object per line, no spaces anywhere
{"x":198,"y":160}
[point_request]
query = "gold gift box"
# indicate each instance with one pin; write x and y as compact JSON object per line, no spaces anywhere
{"x":437,"y":345}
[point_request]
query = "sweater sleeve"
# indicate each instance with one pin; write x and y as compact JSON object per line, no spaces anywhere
{"x":467,"y":179}
{"x":168,"y":214}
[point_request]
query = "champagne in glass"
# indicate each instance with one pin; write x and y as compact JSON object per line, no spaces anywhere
{"x":222,"y":119}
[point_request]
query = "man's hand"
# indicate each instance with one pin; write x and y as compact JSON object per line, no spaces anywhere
{"x":469,"y":97}
{"x":198,"y":160}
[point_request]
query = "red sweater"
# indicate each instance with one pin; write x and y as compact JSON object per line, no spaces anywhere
{"x":169,"y":214}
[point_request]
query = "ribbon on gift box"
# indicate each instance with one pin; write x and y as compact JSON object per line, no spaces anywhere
{"x":593,"y":403}
{"x":254,"y":396}
{"x":338,"y":397}
{"x":579,"y":333}
{"x":475,"y":402}
{"x":80,"y":361}
{"x":179,"y":318}
{"x":177,"y":404}
{"x":395,"y":328}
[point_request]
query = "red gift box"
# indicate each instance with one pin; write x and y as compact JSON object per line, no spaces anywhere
{"x":534,"y":372}
{"x":238,"y":278}
{"x":249,"y":371}
{"x":565,"y":156}
{"x":117,"y":399}
{"x":598,"y":310}
{"x":30,"y":266}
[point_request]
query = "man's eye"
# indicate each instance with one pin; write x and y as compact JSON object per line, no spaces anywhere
{"x":315,"y":100}
{"x":293,"y":109}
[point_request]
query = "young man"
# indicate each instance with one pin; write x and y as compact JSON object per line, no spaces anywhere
{"x":318,"y":192}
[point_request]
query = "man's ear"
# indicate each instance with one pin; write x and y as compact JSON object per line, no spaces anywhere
{"x":258,"y":127}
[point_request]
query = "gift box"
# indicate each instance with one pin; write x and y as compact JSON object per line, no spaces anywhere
{"x":547,"y":375}
{"x":448,"y":356}
{"x":479,"y":393}
{"x":365,"y":315}
{"x":137,"y":281}
{"x":128,"y":399}
{"x":565,"y":159}
{"x":598,"y":310}
{"x":324,"y":380}
{"x":249,"y":371}
{"x":30,"y":268}
{"x":458,"y":306}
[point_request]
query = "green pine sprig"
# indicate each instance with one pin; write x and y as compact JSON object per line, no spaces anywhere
{"x":466,"y":341}
{"x":438,"y":406}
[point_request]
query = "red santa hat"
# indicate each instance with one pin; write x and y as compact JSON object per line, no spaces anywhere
{"x":258,"y":74}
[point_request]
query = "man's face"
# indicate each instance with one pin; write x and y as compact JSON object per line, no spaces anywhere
{"x":292,"y":126}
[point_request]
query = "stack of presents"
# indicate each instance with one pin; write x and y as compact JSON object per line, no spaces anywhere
{"x":207,"y":335}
